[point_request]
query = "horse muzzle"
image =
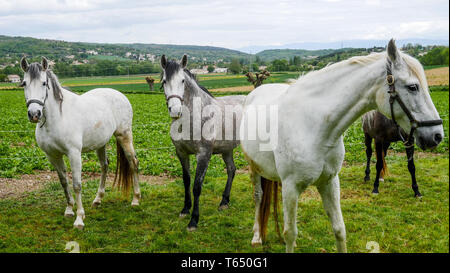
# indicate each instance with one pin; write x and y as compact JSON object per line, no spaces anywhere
{"x":34,"y":116}
{"x":429,"y":138}
{"x":175,"y":112}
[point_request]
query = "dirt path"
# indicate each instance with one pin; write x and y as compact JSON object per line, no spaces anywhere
{"x":18,"y":187}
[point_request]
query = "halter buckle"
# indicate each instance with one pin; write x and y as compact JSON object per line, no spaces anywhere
{"x":390,"y":79}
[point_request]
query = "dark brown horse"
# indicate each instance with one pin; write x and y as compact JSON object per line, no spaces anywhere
{"x":384,"y":131}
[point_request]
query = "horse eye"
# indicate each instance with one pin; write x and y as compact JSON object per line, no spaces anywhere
{"x":182,"y":81}
{"x":23,"y":84}
{"x":413,"y":87}
{"x":44,"y":83}
{"x":163,"y":82}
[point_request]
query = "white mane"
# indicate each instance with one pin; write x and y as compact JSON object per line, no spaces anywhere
{"x":413,"y":64}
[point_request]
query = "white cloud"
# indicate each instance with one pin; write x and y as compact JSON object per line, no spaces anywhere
{"x":229,"y":23}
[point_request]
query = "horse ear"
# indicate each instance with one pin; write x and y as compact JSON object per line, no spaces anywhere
{"x":184,"y":61}
{"x":44,"y":63}
{"x":24,"y":64}
{"x":163,"y":62}
{"x":392,"y":51}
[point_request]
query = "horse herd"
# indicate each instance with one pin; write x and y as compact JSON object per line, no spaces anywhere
{"x":291,"y":135}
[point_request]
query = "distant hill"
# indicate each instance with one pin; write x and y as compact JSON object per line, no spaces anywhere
{"x":198,"y":52}
{"x":345,"y":44}
{"x":16,"y":47}
{"x":272,"y":54}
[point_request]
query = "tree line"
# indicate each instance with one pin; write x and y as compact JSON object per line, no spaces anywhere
{"x":434,"y":55}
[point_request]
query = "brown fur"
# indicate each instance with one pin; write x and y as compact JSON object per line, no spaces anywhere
{"x":385,"y":170}
{"x":124,"y":173}
{"x":269,"y":188}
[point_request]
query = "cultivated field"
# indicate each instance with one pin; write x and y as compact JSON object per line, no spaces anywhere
{"x":437,"y":76}
{"x":31,"y":214}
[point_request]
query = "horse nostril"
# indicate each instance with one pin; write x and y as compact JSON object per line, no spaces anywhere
{"x":437,"y":138}
{"x":421,"y":140}
{"x":39,"y":114}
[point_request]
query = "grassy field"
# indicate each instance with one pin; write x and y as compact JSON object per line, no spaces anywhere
{"x":34,"y":221}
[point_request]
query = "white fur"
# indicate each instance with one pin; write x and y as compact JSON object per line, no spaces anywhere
{"x":86,"y":123}
{"x":313,"y":114}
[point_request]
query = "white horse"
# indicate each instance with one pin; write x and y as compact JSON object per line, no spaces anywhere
{"x":69,"y":124}
{"x":313,"y":113}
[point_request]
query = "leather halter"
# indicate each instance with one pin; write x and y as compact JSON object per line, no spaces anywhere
{"x":173,"y":96}
{"x":41,"y":103}
{"x":414,"y":123}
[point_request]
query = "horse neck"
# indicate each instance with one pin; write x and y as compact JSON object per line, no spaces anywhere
{"x":52,"y":109}
{"x":194,"y":91}
{"x":344,"y":95}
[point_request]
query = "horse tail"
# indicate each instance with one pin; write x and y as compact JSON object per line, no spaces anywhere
{"x":384,"y":171}
{"x":269,"y":188}
{"x":124,"y":175}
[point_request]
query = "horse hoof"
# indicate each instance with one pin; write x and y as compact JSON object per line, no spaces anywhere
{"x":418,"y":196}
{"x":69,"y":213}
{"x":135,"y":203}
{"x":374,"y":192}
{"x":224,"y":207}
{"x":190,"y":229}
{"x":78,"y":226}
{"x":96,"y":204}
{"x":366,"y":179}
{"x":381,"y":179}
{"x":182,"y":214}
{"x":256,"y":243}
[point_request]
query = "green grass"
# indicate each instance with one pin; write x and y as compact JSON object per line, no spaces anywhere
{"x":426,"y":67}
{"x":394,"y":219}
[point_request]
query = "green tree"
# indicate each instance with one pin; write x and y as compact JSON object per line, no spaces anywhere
{"x":235,"y":66}
{"x":210,"y":69}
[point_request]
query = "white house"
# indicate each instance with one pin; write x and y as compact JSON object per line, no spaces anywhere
{"x":220,"y":70}
{"x":198,"y":71}
{"x":13,"y":78}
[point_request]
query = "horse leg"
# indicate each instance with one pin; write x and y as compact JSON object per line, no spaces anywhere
{"x":256,"y":179}
{"x":379,"y":152}
{"x":60,"y":166}
{"x":231,"y":171}
{"x":290,"y":195}
{"x":104,"y":162}
{"x":368,"y":143}
{"x":126,"y":142}
{"x":75,"y":164}
{"x":185,"y":164}
{"x":330,"y":193}
{"x":290,"y":203}
{"x":203,"y":158}
{"x":412,"y":170}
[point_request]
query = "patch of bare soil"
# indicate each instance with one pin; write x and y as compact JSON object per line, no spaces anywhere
{"x":17,"y":187}
{"x":437,"y":76}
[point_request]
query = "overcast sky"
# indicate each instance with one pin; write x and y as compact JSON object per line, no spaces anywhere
{"x":228,"y":23}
